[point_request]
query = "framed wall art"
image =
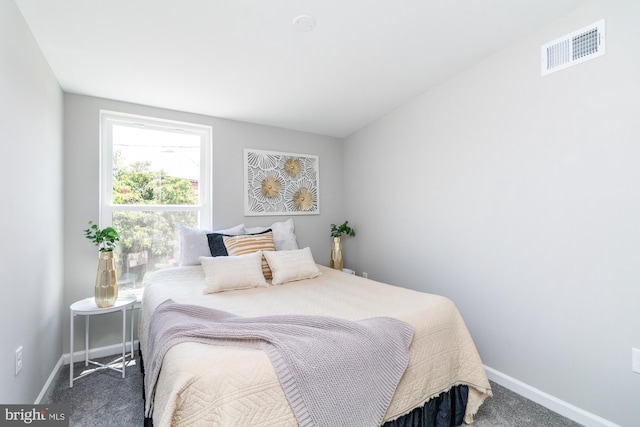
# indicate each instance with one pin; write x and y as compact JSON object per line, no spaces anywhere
{"x":277,"y":183}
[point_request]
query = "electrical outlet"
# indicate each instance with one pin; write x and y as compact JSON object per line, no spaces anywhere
{"x":365,"y":275}
{"x":635,"y":360}
{"x":18,"y":360}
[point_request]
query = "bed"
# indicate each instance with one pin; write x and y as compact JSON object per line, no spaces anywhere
{"x":202,"y":384}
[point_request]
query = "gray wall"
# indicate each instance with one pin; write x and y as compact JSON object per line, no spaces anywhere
{"x":31,"y":216}
{"x":518,"y":197}
{"x":81,"y":158}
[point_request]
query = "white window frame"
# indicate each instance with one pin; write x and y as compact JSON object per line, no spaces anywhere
{"x":110,"y":118}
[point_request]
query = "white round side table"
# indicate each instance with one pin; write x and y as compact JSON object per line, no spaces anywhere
{"x":87,"y":307}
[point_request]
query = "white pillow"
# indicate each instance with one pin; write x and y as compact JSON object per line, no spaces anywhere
{"x":225,"y":273}
{"x":194,"y":242}
{"x":284,"y":236}
{"x":289,"y":266}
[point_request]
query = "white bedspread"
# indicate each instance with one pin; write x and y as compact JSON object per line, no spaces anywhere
{"x":208,"y":385}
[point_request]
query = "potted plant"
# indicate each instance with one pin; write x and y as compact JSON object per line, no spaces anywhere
{"x":337,"y":231}
{"x":106,"y":287}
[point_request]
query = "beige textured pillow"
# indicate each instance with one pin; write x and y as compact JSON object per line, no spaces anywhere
{"x":241,"y":245}
{"x":289,"y":266}
{"x":225,"y":273}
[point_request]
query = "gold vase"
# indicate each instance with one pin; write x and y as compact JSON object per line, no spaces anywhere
{"x":106,"y":289}
{"x":336,"y":254}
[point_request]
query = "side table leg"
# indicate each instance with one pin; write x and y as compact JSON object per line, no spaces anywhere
{"x":132,"y":317}
{"x":86,"y":340}
{"x":71,"y":350}
{"x":124,"y":338}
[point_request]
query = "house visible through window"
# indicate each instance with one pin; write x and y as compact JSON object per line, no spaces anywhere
{"x":154,"y":174}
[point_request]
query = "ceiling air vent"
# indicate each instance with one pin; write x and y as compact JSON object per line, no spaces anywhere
{"x":581,"y":45}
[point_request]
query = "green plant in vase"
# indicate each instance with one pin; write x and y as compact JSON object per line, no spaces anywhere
{"x":337,"y":231}
{"x":106,"y":287}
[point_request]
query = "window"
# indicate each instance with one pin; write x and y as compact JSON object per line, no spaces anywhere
{"x":154,"y":174}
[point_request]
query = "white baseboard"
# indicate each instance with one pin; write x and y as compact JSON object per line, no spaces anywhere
{"x":552,"y":403}
{"x":50,"y":381}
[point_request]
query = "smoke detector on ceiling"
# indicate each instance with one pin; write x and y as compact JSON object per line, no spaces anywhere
{"x":579,"y":46}
{"x":303,"y":23}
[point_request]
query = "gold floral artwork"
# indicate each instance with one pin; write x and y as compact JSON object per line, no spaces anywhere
{"x":303,"y":199}
{"x":270,"y":187}
{"x":292,"y":166}
{"x":278,"y":183}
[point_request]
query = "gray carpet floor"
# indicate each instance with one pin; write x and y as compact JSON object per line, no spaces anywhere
{"x":104,"y":398}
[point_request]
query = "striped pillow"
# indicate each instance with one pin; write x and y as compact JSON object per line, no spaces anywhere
{"x":247,"y":244}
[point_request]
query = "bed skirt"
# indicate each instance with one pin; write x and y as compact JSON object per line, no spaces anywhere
{"x":445,"y":410}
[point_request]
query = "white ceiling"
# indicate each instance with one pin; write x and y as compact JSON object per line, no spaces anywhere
{"x":242,"y":60}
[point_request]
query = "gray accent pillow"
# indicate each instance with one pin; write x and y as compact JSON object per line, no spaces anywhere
{"x":194,"y":243}
{"x":284,"y":236}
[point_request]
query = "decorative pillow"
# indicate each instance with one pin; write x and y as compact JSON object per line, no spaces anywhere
{"x":284,"y":236}
{"x":247,"y":244}
{"x":229,"y":273}
{"x":194,"y":244}
{"x":216,"y":243}
{"x":289,"y":266}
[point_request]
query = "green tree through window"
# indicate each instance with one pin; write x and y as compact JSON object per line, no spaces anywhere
{"x":149,"y":233}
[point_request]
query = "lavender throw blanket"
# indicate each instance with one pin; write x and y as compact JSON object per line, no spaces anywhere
{"x":333,"y":371}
